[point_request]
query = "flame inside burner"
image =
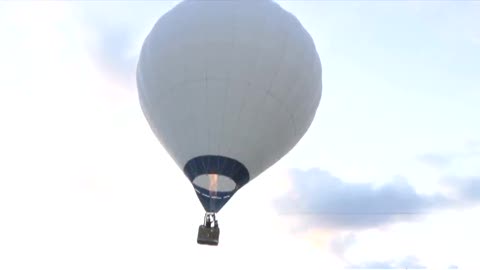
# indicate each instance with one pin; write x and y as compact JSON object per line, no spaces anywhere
{"x":213,"y":184}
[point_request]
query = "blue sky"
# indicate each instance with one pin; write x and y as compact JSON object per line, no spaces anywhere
{"x":86,"y":185}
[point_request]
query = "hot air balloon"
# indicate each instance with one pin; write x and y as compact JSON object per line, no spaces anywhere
{"x":228,"y":88}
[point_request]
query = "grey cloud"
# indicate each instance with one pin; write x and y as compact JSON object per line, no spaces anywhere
{"x":467,"y":189}
{"x":109,"y":42}
{"x":442,"y":160}
{"x":410,"y":262}
{"x":111,"y":50}
{"x":473,"y":144}
{"x":436,"y":160}
{"x":374,"y":265}
{"x":340,"y":244}
{"x":322,"y":200}
{"x":116,"y":31}
{"x":470,"y":188}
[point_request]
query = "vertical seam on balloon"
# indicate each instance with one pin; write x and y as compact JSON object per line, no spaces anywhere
{"x":286,"y":36}
{"x":257,"y":51}
{"x":207,"y":108}
{"x":188,"y":111}
{"x":300,"y":75}
{"x":235,"y":39}
{"x":175,"y":94}
{"x":229,"y":73}
{"x":299,"y":81}
{"x":285,"y":106}
{"x":148,"y":105}
{"x":207,"y":92}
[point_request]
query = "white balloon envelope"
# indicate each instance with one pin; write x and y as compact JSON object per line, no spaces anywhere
{"x":228,"y":88}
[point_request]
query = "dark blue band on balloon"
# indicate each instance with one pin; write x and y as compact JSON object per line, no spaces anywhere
{"x":210,"y":164}
{"x":212,"y":202}
{"x":229,"y":167}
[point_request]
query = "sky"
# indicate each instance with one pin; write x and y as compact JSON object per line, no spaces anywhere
{"x":385,"y":177}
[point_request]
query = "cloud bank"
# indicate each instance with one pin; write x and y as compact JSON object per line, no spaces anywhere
{"x":115,"y":32}
{"x":410,"y":262}
{"x":323,"y":200}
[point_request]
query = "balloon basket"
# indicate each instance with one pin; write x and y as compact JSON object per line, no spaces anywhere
{"x":209,"y":232}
